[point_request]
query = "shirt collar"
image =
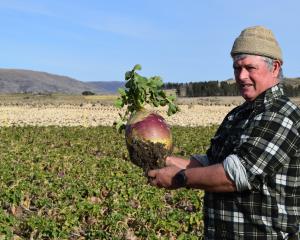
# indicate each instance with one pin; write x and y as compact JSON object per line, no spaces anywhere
{"x":266,"y":97}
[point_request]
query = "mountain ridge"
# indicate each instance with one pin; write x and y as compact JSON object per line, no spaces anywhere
{"x":31,"y":81}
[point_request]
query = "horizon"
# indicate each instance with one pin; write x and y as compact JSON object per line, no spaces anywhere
{"x":99,"y":41}
{"x":219,"y":80}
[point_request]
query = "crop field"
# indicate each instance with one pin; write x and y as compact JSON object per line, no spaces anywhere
{"x":88,"y":115}
{"x":77,"y":183}
{"x":65,"y":172}
{"x":69,"y":110}
{"x":64,"y":110}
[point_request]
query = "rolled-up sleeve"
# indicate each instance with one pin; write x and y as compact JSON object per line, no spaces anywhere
{"x":236,"y":172}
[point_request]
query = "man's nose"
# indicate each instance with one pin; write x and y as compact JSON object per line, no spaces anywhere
{"x":242,"y":74}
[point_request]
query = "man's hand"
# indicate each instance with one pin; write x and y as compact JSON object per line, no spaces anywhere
{"x":163,"y":178}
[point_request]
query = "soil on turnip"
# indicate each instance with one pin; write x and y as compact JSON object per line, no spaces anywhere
{"x":148,"y":155}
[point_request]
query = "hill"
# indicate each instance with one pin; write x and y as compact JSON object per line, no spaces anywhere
{"x":27,"y":81}
{"x":109,"y":87}
{"x":294,"y":82}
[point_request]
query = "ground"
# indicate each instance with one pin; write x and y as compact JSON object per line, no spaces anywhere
{"x":68,"y":110}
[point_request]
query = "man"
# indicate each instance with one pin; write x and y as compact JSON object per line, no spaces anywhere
{"x":251,"y":172}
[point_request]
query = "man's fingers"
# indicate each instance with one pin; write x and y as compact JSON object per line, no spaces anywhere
{"x":152,"y":179}
{"x":152,"y":173}
{"x":169,"y":161}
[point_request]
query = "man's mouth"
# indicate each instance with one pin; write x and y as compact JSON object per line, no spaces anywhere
{"x":246,"y":85}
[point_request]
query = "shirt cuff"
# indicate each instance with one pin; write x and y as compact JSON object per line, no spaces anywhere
{"x":237,"y":172}
{"x":201,"y":158}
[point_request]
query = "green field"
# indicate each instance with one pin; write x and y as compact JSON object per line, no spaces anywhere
{"x":77,"y":183}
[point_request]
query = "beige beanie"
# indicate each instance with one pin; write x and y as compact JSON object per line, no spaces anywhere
{"x":257,"y":41}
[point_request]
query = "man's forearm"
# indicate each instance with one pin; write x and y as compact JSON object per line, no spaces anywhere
{"x":181,"y":162}
{"x":212,"y":178}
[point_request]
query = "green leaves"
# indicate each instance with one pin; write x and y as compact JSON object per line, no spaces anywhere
{"x":119,"y":103}
{"x":59,"y":182}
{"x":137,"y":67}
{"x":140,"y":91}
{"x":172,"y":109}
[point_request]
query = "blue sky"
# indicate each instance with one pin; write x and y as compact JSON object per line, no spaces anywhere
{"x":99,"y":40}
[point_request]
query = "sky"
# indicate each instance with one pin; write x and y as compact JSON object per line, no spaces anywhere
{"x":180,"y":41}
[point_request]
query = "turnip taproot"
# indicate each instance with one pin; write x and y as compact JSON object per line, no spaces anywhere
{"x":148,"y":136}
{"x":148,"y":139}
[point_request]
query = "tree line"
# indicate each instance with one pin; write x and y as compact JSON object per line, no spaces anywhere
{"x":223,"y":88}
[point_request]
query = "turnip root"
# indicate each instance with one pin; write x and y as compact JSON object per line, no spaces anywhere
{"x":148,"y":136}
{"x":148,"y":139}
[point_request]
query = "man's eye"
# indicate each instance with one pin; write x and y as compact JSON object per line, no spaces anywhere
{"x":250,"y":68}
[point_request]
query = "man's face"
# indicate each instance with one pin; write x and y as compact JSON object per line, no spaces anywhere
{"x":253,"y":76}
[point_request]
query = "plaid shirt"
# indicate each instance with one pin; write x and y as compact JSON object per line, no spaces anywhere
{"x":265,"y":135}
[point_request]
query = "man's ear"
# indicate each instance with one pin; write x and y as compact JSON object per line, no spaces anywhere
{"x":276,"y":67}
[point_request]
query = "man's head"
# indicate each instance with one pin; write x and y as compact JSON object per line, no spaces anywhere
{"x":257,"y":61}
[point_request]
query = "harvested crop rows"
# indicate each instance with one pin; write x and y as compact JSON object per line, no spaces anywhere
{"x":94,"y":115}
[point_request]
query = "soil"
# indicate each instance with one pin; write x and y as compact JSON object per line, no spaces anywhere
{"x":148,"y":155}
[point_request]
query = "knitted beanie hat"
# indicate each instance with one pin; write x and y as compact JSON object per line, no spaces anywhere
{"x":257,"y":40}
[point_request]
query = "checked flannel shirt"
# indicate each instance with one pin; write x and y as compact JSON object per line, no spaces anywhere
{"x":265,"y":136}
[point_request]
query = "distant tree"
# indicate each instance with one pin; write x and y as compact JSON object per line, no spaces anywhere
{"x":190,"y":90}
{"x":86,"y":93}
{"x":223,"y":88}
